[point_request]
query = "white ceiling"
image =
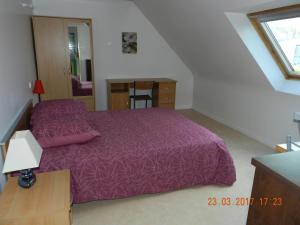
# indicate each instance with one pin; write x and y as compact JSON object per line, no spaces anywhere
{"x":202,"y":36}
{"x":101,"y":0}
{"x":86,"y":0}
{"x":40,"y":1}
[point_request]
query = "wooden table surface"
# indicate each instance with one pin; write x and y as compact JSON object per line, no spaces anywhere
{"x":131,"y":80}
{"x":46,"y":202}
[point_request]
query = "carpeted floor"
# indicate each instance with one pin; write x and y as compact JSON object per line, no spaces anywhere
{"x":184,"y":207}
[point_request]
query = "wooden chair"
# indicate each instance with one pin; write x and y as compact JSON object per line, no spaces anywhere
{"x":142,"y":85}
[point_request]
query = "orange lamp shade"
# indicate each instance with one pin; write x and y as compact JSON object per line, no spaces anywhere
{"x":38,"y":87}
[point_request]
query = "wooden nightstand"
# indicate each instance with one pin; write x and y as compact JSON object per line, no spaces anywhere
{"x":48,"y":202}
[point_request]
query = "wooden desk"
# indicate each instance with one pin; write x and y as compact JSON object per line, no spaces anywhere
{"x":283,"y":148}
{"x":164,"y":92}
{"x":276,"y":190}
{"x":48,"y":202}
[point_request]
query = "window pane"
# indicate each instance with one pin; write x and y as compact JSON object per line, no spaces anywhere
{"x":287,"y":34}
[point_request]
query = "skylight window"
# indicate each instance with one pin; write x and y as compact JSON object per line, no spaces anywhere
{"x":280,"y":30}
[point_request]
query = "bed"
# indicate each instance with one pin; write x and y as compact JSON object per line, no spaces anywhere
{"x":81,"y":88}
{"x":138,"y":152}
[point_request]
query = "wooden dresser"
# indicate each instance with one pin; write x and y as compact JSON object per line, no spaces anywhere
{"x":276,"y":190}
{"x":164,"y":93}
{"x":47,"y":202}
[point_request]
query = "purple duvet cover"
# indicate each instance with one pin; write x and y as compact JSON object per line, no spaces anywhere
{"x":141,"y":152}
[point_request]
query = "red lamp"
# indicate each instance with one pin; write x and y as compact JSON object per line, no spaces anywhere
{"x":38,"y":87}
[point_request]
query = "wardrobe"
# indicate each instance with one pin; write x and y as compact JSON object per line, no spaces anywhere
{"x":64,"y":57}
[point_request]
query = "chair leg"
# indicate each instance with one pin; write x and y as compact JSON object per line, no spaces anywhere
{"x":146,"y":104}
{"x":134,"y":103}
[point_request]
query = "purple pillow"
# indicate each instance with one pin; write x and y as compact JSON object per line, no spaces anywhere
{"x":64,"y":130}
{"x":46,"y":110}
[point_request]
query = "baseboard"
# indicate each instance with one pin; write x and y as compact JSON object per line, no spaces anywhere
{"x":183,"y":107}
{"x":244,"y":131}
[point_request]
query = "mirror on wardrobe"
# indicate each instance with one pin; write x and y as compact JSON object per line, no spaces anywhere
{"x":80,"y":58}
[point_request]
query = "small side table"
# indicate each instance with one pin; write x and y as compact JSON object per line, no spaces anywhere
{"x":281,"y":148}
{"x":47,"y":202}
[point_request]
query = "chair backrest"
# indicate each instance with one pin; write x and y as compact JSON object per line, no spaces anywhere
{"x":143,"y":85}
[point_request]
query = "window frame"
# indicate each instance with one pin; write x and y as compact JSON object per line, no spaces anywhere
{"x":262,"y":31}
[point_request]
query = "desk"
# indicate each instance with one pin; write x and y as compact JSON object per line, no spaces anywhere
{"x":283,"y":148}
{"x":164,"y":92}
{"x":276,"y":190}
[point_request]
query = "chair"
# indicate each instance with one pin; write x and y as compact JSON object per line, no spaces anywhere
{"x":142,"y":85}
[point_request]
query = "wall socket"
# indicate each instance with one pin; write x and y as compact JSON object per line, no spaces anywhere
{"x":30,"y":85}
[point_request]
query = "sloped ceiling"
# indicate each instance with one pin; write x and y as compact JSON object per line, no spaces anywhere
{"x":202,"y":36}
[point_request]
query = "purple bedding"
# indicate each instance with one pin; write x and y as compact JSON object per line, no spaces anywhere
{"x":81,"y":90}
{"x":141,"y":152}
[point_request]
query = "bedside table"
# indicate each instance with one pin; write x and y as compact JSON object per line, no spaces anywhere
{"x":47,"y":202}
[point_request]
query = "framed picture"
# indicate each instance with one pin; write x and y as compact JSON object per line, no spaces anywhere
{"x":129,"y":42}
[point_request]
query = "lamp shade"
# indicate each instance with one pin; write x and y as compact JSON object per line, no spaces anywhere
{"x":24,"y":152}
{"x":38,"y":87}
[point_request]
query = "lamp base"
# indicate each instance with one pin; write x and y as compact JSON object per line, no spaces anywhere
{"x":27,"y":178}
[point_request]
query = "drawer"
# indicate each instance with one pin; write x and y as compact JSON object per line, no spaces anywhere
{"x":119,"y":100}
{"x":119,"y":87}
{"x":165,"y":97}
{"x":167,"y":105}
{"x":167,"y":87}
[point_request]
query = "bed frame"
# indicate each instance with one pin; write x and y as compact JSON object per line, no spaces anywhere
{"x":21,"y":123}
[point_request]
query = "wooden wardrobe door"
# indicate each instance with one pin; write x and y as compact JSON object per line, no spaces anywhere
{"x":50,"y":47}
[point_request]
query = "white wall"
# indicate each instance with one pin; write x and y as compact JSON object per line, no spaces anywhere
{"x":110,"y":18}
{"x":260,"y":113}
{"x":16,"y":63}
{"x":250,"y":105}
{"x":228,"y":85}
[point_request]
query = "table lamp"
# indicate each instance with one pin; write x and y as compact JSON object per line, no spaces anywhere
{"x":38,"y":88}
{"x":24,"y":153}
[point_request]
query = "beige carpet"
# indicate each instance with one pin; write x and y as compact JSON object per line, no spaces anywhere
{"x":184,"y":207}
